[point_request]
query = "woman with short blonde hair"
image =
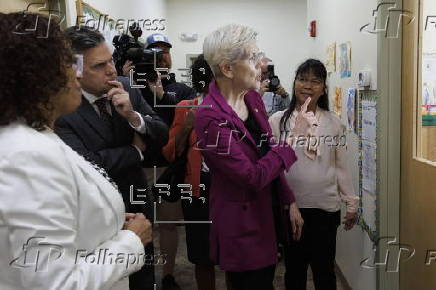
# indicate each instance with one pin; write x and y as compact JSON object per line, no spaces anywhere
{"x":249,"y":196}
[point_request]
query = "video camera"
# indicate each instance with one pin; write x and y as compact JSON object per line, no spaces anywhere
{"x":144,"y":60}
{"x":274,"y":80}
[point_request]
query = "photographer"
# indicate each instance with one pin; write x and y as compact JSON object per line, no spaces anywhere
{"x":274,"y":96}
{"x":169,"y":92}
{"x":162,"y":93}
{"x":161,"y":84}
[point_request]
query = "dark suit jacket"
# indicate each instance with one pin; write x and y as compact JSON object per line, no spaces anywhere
{"x":85,"y":132}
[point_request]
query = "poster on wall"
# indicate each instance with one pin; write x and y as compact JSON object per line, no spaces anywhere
{"x":366,"y":129}
{"x":337,"y":102}
{"x":351,"y":111}
{"x":369,"y":203}
{"x":345,"y":60}
{"x":369,"y":120}
{"x":331,"y":58}
{"x":369,"y":166}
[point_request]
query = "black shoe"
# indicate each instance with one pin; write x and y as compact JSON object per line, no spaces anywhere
{"x":169,"y":283}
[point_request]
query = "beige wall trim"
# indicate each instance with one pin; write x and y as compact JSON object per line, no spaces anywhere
{"x":388,"y":150}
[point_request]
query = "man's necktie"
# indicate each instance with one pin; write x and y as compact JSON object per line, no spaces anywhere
{"x":102,"y":107}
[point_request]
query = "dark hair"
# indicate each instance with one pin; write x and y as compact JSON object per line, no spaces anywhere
{"x":318,"y":69}
{"x":201,"y":75}
{"x":83,"y":38}
{"x":33,"y":63}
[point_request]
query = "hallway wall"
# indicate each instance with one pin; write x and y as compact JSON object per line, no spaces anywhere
{"x":340,"y":21}
{"x":281,"y":25}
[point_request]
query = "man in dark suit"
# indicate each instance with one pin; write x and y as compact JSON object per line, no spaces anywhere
{"x":112,"y":128}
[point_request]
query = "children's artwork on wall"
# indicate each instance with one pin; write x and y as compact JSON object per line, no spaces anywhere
{"x":351,"y":109}
{"x":367,"y":111}
{"x":345,"y":60}
{"x":369,"y":120}
{"x":369,"y":166}
{"x":331,"y":58}
{"x":337,"y":101}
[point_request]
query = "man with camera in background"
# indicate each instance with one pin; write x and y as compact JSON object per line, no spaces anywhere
{"x":165,"y":88}
{"x":274,"y":96}
{"x":159,"y":89}
{"x":166,"y":91}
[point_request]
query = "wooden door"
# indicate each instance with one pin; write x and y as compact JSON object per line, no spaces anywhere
{"x":418,"y":172}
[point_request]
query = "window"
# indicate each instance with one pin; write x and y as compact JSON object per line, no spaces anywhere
{"x":427,"y":97}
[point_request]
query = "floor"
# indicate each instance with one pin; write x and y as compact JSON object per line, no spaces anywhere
{"x":184,"y":272}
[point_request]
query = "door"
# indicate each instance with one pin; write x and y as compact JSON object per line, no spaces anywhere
{"x":418,"y":144}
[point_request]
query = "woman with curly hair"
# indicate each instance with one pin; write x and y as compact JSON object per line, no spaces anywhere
{"x":62,"y":223}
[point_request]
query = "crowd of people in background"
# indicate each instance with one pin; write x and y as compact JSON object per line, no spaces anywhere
{"x":88,"y":161}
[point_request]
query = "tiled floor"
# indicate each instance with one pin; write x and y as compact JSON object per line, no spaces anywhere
{"x":184,"y":271}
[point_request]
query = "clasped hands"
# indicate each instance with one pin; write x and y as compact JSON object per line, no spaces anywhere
{"x":140,"y":225}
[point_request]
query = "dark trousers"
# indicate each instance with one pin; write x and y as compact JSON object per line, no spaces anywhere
{"x":261,"y":279}
{"x":317,"y":248}
{"x":144,"y":278}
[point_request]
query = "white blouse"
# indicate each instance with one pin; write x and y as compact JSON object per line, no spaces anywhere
{"x":321,"y":182}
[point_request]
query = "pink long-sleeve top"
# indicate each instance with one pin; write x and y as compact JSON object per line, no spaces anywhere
{"x":321,"y":180}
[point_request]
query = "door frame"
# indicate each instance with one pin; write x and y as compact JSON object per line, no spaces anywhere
{"x":389,"y":145}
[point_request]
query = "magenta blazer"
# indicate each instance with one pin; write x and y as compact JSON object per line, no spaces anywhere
{"x":242,"y":233}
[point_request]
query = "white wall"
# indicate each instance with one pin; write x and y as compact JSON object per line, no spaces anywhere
{"x":280,"y":24}
{"x":340,"y":21}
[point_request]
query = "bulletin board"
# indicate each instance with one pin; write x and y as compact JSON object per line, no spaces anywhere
{"x":367,"y":144}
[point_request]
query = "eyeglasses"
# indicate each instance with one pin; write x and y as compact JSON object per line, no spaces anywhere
{"x":78,"y":64}
{"x":313,"y":82}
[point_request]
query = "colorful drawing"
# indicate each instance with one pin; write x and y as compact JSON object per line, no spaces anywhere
{"x":331,"y":58}
{"x":345,"y":60}
{"x":337,"y":101}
